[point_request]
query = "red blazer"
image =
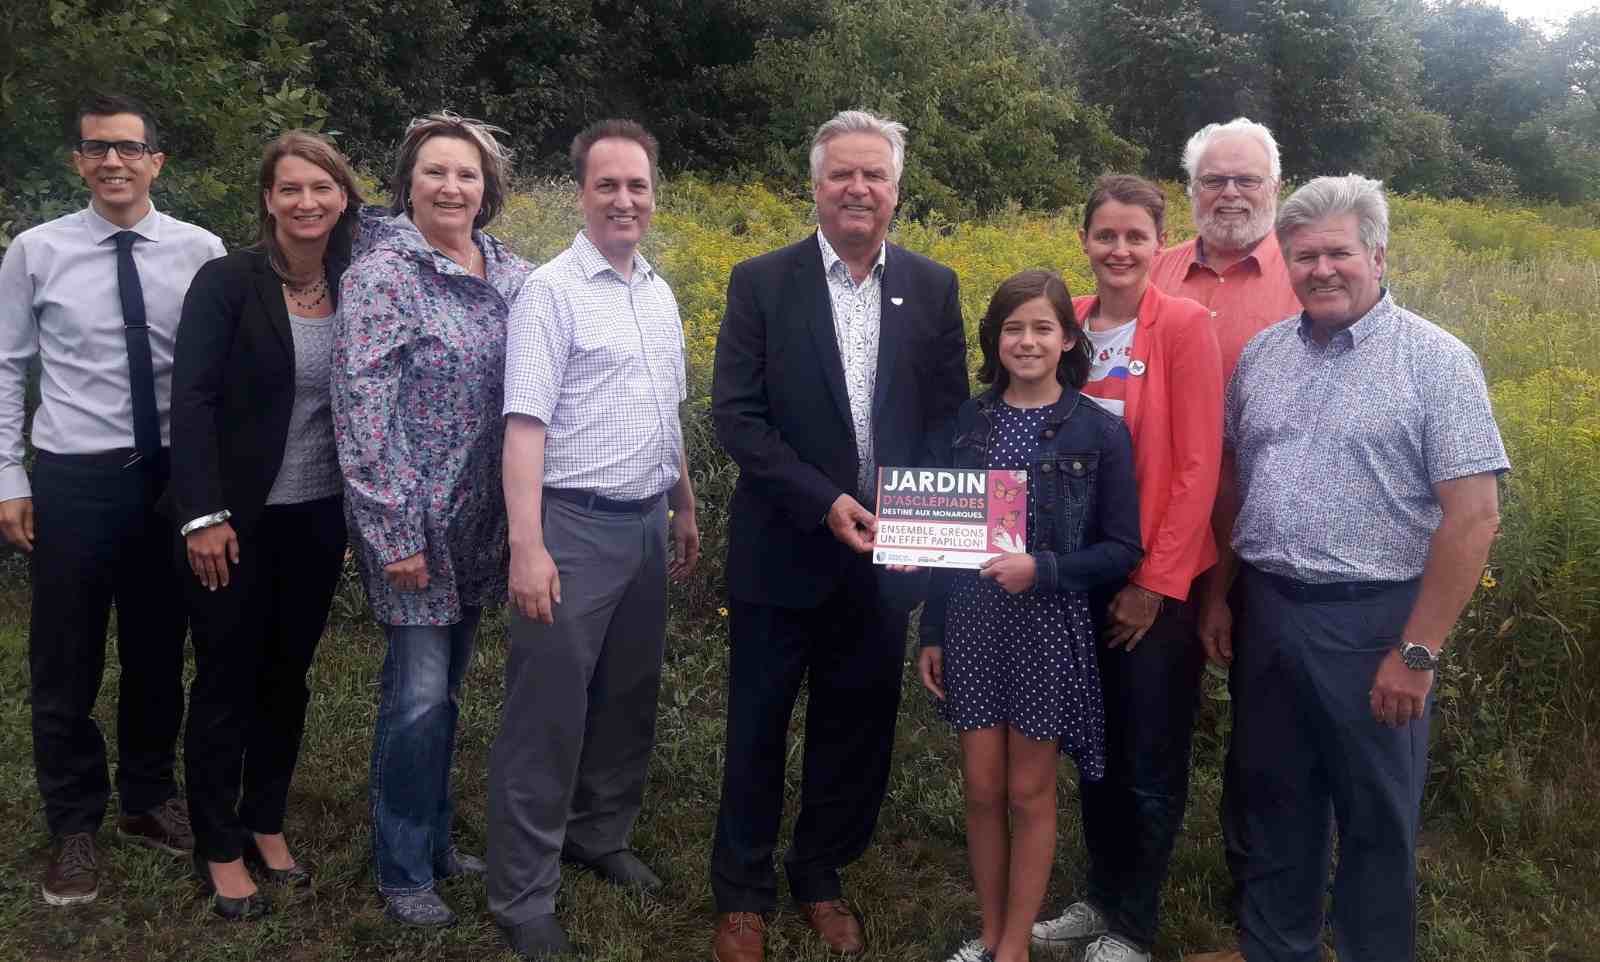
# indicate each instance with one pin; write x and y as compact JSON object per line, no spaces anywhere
{"x":1174,"y":412}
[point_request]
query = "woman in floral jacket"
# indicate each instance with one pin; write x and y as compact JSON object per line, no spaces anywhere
{"x":418,"y":377}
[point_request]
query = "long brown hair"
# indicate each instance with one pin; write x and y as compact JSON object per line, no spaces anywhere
{"x":1015,"y":291}
{"x":315,"y":149}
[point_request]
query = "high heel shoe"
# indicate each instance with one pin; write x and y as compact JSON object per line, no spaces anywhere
{"x":245,"y":909}
{"x":295,"y":876}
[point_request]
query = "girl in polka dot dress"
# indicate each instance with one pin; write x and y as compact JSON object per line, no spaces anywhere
{"x":1009,"y":651}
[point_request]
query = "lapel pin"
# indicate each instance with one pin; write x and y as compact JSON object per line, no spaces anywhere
{"x":897,"y":301}
{"x":1136,"y":368}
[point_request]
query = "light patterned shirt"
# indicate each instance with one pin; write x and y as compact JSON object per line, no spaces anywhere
{"x":1338,"y":447}
{"x":600,"y":361}
{"x":857,"y":321}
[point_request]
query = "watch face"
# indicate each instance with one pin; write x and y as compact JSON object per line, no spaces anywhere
{"x":1417,"y":657}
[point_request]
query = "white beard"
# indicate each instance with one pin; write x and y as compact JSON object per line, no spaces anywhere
{"x":1235,"y":236}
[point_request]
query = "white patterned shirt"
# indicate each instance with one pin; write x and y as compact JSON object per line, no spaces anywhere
{"x":599,"y":360}
{"x":857,"y":321}
{"x":1338,"y":446}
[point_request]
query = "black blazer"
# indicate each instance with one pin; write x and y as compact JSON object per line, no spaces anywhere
{"x":781,"y":410}
{"x":232,"y":389}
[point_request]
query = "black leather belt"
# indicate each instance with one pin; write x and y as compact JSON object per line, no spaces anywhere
{"x":1326,"y":591}
{"x":590,"y":501}
{"x":115,"y":458}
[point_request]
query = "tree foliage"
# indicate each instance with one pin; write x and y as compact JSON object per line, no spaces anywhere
{"x":220,"y":77}
{"x":1008,"y":100}
{"x":987,"y":125}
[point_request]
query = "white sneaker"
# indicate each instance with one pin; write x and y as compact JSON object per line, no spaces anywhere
{"x":973,"y":951}
{"x":1108,"y":949}
{"x":1080,"y":920}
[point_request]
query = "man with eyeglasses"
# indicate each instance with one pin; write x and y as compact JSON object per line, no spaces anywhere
{"x":1233,"y":267}
{"x":96,"y":296}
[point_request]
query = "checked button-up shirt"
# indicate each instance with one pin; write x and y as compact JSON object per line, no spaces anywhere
{"x":600,"y":361}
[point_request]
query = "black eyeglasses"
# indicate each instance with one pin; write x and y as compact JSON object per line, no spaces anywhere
{"x":1219,"y":181}
{"x":126,"y":149}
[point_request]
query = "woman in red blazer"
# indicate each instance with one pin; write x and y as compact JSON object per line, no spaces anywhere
{"x":1157,"y":364}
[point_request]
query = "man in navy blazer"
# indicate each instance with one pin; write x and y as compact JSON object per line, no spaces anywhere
{"x":837,"y":354}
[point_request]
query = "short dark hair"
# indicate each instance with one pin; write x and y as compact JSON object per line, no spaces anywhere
{"x":1130,"y":190}
{"x":1015,"y":291}
{"x":106,"y":104}
{"x":604,"y":129}
{"x":316,"y":149}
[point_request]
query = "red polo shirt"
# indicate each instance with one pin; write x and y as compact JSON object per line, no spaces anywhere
{"x":1243,"y":300}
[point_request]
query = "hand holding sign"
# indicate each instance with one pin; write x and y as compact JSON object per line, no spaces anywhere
{"x":852,"y":524}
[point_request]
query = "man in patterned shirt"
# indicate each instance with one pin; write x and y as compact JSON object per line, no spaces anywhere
{"x":594,"y":459}
{"x":837,"y":354}
{"x":1366,"y":502}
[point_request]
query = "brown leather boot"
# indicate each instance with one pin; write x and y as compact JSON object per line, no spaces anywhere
{"x":74,"y":873}
{"x":837,"y":924}
{"x":738,"y":937}
{"x":1232,"y":955}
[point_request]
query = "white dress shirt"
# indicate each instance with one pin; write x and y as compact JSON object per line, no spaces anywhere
{"x":59,"y":299}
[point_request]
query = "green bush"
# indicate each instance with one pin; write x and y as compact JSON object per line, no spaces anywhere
{"x":221,"y":79}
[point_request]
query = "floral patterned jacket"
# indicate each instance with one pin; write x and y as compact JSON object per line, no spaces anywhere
{"x":418,"y":376}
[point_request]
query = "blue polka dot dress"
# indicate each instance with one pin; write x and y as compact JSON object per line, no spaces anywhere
{"x":1027,"y":659}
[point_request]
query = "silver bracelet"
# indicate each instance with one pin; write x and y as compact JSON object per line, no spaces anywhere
{"x":205,"y":521}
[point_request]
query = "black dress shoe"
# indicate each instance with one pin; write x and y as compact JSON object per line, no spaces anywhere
{"x":245,"y":909}
{"x":541,"y":937}
{"x":295,"y":876}
{"x":622,"y":868}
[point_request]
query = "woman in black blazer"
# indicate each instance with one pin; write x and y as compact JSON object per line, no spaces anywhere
{"x":256,"y":492}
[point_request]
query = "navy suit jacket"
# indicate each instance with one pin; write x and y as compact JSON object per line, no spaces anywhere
{"x":781,"y":410}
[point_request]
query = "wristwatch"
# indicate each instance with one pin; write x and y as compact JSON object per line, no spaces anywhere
{"x":1418,"y":657}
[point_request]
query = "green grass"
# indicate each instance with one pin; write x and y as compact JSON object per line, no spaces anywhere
{"x":1511,"y":841}
{"x":912,"y":885}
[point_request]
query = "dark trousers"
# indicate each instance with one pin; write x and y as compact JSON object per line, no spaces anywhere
{"x":1306,"y":753}
{"x":567,"y":771}
{"x":851,"y":649}
{"x":98,"y":542}
{"x":253,"y":644}
{"x":1132,"y":817}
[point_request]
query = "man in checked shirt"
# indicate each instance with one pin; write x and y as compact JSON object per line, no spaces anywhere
{"x":1346,"y":590}
{"x":594,"y":459}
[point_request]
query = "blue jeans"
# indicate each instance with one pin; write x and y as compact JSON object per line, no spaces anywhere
{"x":411,"y":751}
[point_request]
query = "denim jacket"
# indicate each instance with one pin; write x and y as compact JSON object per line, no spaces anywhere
{"x":1086,"y":506}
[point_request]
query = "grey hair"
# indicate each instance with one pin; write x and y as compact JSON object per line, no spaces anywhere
{"x":860,"y":122}
{"x":495,"y":155}
{"x":1237,"y":127}
{"x":1333,"y":196}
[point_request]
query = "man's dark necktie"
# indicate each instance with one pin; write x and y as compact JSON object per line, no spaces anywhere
{"x":141,"y":370}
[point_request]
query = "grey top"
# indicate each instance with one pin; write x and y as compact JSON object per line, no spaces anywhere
{"x":59,"y":299}
{"x":310,"y":468}
{"x":1338,"y":447}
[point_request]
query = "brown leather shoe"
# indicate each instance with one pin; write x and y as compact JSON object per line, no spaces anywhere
{"x":74,"y":873}
{"x":1232,"y":955}
{"x":738,"y":937}
{"x":837,"y":924}
{"x":165,"y":827}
